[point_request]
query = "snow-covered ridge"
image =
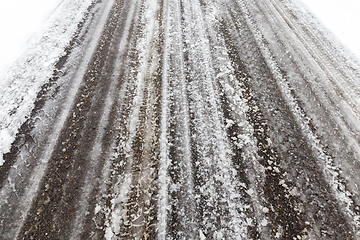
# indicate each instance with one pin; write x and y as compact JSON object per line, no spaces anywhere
{"x":20,"y":84}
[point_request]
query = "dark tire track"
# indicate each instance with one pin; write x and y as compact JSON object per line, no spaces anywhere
{"x":52,"y":214}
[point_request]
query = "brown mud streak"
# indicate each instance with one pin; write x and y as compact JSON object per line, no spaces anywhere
{"x":122,"y":113}
{"x":54,"y":210}
{"x":129,"y":204}
{"x":48,"y":91}
{"x":174,"y":172}
{"x":142,"y":198}
{"x":278,"y":198}
{"x":94,"y":225}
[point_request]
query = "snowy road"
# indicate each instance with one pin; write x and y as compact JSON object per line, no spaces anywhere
{"x":191,"y":119}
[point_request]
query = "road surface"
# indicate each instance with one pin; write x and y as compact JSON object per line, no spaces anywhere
{"x":190,"y":119}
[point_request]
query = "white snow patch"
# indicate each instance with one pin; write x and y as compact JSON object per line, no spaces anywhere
{"x":341,"y":17}
{"x":5,"y":142}
{"x":97,"y":209}
{"x":219,"y":235}
{"x":201,"y":235}
{"x":264,"y":223}
{"x":109,"y":234}
{"x":294,"y":192}
{"x":19,"y":19}
{"x":21,"y":82}
{"x":250,"y":192}
{"x":249,"y":221}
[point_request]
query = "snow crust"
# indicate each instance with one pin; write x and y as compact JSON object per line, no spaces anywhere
{"x":20,"y":84}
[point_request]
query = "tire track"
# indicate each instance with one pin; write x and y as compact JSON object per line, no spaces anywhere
{"x":281,"y":206}
{"x":221,"y":211}
{"x":248,"y":133}
{"x":319,"y":155}
{"x":331,"y":167}
{"x":63,"y":182}
{"x":16,"y":206}
{"x":178,"y":209}
{"x":332,"y":110}
{"x":98,"y":146}
{"x":130,"y":213}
